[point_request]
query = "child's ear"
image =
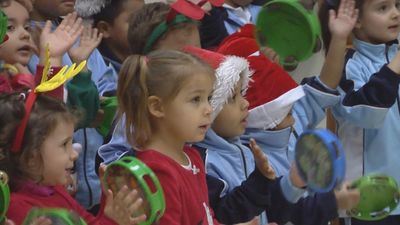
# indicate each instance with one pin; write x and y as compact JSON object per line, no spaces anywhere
{"x":104,"y":28}
{"x":155,"y":106}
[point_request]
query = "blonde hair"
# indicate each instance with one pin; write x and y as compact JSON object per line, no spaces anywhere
{"x":162,"y":74}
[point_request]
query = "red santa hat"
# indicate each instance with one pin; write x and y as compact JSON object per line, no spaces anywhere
{"x":272,"y":92}
{"x":228,"y":71}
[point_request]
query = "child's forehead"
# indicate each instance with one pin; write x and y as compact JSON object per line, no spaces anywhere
{"x":16,"y":12}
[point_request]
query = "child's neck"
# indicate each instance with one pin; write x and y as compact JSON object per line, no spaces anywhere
{"x":169,"y":147}
{"x":36,"y":16}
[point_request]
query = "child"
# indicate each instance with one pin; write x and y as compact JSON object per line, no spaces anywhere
{"x":89,"y":187}
{"x":228,"y":159}
{"x":226,"y":20}
{"x":44,"y":161}
{"x":111,"y":18}
{"x":368,"y":113}
{"x":165,"y":96}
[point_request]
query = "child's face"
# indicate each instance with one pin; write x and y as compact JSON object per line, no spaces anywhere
{"x":116,"y":36}
{"x":18,"y":48}
{"x":178,"y":38}
{"x":52,"y":9}
{"x":188,"y":116}
{"x":58,"y":155}
{"x":288,"y":121}
{"x":379,"y":21}
{"x":231,"y":121}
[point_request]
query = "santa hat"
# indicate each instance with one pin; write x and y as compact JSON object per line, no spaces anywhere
{"x":272,"y":92}
{"x":228,"y":71}
{"x":88,"y":8}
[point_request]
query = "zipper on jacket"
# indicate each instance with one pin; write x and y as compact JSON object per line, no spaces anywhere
{"x":85,"y":169}
{"x":387,"y":53}
{"x":244,"y":160}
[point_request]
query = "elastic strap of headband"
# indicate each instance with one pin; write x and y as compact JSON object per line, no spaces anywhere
{"x":163,"y":27}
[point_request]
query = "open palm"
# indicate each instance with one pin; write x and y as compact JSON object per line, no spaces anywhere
{"x":342,"y":23}
{"x":89,"y":40}
{"x":63,"y":37}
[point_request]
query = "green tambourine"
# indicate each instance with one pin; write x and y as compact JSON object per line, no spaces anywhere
{"x":3,"y":26}
{"x":56,"y":216}
{"x":379,"y":196}
{"x":4,"y":196}
{"x":135,"y":174}
{"x":292,"y":31}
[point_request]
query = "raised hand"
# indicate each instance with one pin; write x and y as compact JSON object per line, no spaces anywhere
{"x":342,"y":23}
{"x":270,"y":54}
{"x":261,"y":159}
{"x":90,"y":39}
{"x":121,"y":207}
{"x":346,"y":197}
{"x":61,"y":39}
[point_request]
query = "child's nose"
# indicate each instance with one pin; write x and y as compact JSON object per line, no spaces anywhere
{"x":25,"y":34}
{"x":245,"y":103}
{"x":74,"y":154}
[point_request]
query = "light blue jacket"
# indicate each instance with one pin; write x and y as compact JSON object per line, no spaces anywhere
{"x":232,"y":162}
{"x":233,"y":23}
{"x":307,"y":113}
{"x":369,"y":112}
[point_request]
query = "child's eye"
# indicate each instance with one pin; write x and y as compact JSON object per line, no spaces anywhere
{"x":10,"y":28}
{"x":382,"y":8}
{"x":196,"y":99}
{"x":398,"y":4}
{"x":209,"y":98}
{"x":27,"y":28}
{"x":232,"y":99}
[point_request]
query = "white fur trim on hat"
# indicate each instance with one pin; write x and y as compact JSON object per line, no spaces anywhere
{"x":88,"y":8}
{"x":271,"y":114}
{"x":227,"y":76}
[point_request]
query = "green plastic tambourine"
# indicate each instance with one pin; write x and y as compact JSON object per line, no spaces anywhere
{"x":135,"y":174}
{"x":3,"y":26}
{"x":379,"y":196}
{"x":4,"y":195}
{"x":292,"y":31}
{"x":56,"y":216}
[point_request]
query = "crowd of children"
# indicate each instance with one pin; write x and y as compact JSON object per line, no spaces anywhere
{"x":211,"y":112}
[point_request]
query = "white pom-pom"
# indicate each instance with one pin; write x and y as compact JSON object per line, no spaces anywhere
{"x":87,"y":8}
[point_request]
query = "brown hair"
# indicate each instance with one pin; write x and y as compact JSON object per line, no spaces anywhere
{"x":161,"y":73}
{"x":143,"y":23}
{"x":323,"y":15}
{"x":43,"y":119}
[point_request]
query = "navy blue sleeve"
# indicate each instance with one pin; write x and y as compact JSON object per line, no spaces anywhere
{"x":317,"y":209}
{"x":244,"y":202}
{"x":212,"y":28}
{"x":380,"y":91}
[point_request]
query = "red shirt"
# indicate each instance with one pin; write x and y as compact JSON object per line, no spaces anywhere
{"x":32,"y":195}
{"x":185,"y":189}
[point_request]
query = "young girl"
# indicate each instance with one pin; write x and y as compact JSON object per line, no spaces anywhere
{"x":40,"y":167}
{"x":165,"y":96}
{"x":368,"y":113}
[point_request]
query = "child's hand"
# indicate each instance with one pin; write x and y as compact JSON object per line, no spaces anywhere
{"x":261,"y":159}
{"x":90,"y":39}
{"x":295,"y":178}
{"x":61,"y":39}
{"x":270,"y":54}
{"x":346,"y":197}
{"x":121,"y":208}
{"x":342,"y":23}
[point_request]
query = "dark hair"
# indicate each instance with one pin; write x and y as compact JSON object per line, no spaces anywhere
{"x":145,"y":22}
{"x":323,"y":15}
{"x":109,"y":12}
{"x":162,"y":73}
{"x":43,"y":119}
